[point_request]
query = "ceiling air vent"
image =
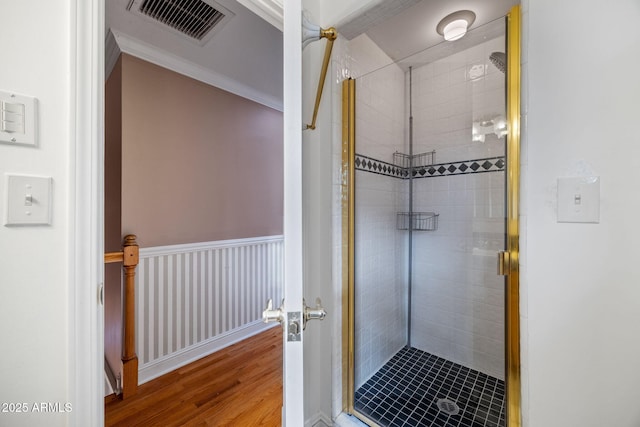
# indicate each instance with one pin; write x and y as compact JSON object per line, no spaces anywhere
{"x":197,"y":19}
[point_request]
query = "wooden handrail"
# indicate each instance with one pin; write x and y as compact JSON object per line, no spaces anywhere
{"x":111,"y":257}
{"x":129,"y":258}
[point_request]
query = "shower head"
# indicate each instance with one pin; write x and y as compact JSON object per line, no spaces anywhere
{"x":499,"y":59}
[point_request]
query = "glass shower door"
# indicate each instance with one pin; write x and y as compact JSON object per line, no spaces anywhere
{"x":457,"y":304}
{"x":430,"y":186}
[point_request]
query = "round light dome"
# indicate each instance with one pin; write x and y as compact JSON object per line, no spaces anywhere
{"x":455,"y":30}
{"x":455,"y":25}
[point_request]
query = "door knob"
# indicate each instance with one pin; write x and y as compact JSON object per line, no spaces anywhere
{"x":290,"y":321}
{"x":317,"y":313}
{"x":271,"y":315}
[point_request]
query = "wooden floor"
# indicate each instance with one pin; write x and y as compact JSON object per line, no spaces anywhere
{"x":240,"y":385}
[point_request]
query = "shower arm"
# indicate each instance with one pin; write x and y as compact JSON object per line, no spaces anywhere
{"x":330,"y":34}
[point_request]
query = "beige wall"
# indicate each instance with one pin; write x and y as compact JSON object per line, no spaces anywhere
{"x":112,"y":222}
{"x":184,"y":162}
{"x":198,"y":163}
{"x":112,"y":159}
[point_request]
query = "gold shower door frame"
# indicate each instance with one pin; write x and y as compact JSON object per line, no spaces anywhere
{"x":511,"y":266}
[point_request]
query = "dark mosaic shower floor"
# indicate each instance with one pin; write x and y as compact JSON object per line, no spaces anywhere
{"x":405,"y":391}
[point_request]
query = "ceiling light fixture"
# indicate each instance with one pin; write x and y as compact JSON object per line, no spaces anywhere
{"x":455,"y":25}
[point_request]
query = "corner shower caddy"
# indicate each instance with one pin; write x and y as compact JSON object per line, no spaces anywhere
{"x":416,"y":221}
{"x":407,"y":161}
{"x":419,"y":221}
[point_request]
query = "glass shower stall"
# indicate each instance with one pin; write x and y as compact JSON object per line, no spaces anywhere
{"x":429,"y":331}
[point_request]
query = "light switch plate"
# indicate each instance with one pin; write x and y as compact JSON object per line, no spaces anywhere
{"x":28,"y":200}
{"x":579,"y":199}
{"x":18,"y":118}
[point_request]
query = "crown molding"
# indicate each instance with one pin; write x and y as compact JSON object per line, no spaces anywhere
{"x":117,"y":43}
{"x":269,"y":10}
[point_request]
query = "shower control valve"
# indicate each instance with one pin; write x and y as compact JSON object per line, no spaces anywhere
{"x":318,"y":313}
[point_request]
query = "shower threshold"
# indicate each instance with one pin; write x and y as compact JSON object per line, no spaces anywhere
{"x":409,"y":390}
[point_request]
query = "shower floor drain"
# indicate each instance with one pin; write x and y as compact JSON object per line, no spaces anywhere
{"x":448,"y":406}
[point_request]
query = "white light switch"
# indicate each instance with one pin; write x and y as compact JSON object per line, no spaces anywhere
{"x":28,"y":200}
{"x":579,"y":199}
{"x":18,"y":119}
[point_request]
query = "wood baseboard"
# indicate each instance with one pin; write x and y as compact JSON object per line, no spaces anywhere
{"x":176,"y":360}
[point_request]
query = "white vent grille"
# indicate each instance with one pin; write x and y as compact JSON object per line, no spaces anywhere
{"x":193,"y":18}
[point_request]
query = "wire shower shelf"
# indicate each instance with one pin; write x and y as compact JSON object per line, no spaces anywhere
{"x":407,"y":161}
{"x":418,"y":221}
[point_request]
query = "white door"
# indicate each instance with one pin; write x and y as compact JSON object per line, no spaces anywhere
{"x":293,"y":381}
{"x":293,"y":313}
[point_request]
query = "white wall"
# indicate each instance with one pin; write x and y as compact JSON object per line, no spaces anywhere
{"x":34,"y":261}
{"x":582,"y":314}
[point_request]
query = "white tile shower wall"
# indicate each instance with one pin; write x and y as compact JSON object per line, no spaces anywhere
{"x":380,"y":275}
{"x":380,"y":113}
{"x":457,"y":296}
{"x":458,"y":299}
{"x":381,"y":267}
{"x":447,"y":100}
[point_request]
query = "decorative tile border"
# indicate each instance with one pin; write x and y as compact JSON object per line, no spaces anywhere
{"x":489,"y":164}
{"x":369,"y":164}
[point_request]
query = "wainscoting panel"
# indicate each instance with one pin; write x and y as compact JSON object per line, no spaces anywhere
{"x":194,"y":299}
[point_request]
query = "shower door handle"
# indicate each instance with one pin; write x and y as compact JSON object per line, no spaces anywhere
{"x":504,"y":261}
